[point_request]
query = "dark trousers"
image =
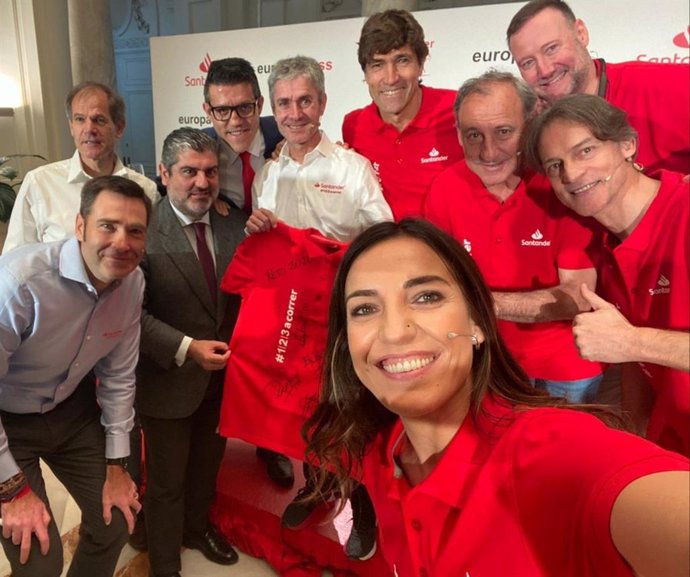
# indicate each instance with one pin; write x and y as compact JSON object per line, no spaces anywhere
{"x":182,"y":461}
{"x":71,"y":441}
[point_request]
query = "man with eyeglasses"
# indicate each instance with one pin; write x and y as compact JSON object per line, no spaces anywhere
{"x":233,"y":102}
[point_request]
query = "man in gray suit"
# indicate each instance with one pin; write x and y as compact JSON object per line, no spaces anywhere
{"x":186,"y":325}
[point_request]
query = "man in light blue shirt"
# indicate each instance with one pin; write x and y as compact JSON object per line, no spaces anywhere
{"x":69,"y":340}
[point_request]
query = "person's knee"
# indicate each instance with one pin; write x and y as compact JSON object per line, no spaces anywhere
{"x":106,"y":536}
{"x":49,"y":565}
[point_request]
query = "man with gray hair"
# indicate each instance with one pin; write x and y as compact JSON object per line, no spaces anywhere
{"x":184,"y":351}
{"x":532,"y":253}
{"x":315,"y":183}
{"x":48,"y":199}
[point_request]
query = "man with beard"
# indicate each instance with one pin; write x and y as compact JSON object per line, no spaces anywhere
{"x":549,"y":45}
{"x":186,"y":325}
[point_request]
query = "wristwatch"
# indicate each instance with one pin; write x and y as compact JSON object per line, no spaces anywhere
{"x":122,"y":462}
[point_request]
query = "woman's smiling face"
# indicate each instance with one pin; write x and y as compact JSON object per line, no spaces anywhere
{"x":402,"y":302}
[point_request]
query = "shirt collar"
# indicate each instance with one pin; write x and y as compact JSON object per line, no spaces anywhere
{"x":325,"y":148}
{"x":72,"y":267}
{"x":463,"y":459}
{"x":77,"y":174}
{"x":185,"y":220}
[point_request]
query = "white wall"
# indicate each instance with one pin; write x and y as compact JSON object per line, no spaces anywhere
{"x":35,"y":61}
{"x":464,"y":42}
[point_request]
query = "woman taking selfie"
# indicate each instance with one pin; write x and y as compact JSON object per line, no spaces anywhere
{"x":472,"y":471}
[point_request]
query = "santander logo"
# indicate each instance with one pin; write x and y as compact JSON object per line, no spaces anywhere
{"x":205,"y":63}
{"x":537,"y":239}
{"x":682,"y":39}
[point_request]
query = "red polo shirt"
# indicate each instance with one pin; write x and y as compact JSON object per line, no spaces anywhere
{"x":273,"y":377}
{"x":407,"y":162}
{"x":529,"y":495}
{"x":657,"y":100}
{"x":519,"y":245}
{"x":647,"y":276}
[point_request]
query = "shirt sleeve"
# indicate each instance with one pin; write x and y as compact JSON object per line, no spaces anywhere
{"x":347,"y":129}
{"x":578,"y":242}
{"x":14,"y":320}
{"x":373,"y":207}
{"x":22,"y":228}
{"x":569,"y":470}
{"x":116,"y":388}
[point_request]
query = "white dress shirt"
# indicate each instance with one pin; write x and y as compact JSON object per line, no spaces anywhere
{"x":48,"y":201}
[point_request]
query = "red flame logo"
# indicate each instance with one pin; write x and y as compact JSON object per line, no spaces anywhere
{"x":205,"y":64}
{"x":682,"y":40}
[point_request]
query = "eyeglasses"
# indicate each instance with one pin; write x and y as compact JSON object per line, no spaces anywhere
{"x":244,"y":110}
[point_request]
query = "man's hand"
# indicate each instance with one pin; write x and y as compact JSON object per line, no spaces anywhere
{"x":604,"y":333}
{"x":23,"y":517}
{"x":209,"y":355}
{"x":120,"y":491}
{"x":261,"y":220}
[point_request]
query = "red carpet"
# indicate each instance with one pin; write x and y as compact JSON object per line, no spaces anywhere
{"x":248,"y":510}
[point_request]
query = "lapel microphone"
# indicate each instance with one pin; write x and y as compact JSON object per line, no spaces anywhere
{"x":452,"y":335}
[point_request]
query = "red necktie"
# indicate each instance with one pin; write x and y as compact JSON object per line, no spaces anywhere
{"x":247,"y":180}
{"x":206,"y":259}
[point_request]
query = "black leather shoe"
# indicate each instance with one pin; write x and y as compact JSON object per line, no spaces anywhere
{"x":213,"y":546}
{"x":278,"y":467}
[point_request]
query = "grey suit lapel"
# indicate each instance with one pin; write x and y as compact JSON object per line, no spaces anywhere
{"x":183,"y":256}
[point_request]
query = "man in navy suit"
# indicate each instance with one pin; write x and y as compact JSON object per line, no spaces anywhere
{"x":233,"y":102}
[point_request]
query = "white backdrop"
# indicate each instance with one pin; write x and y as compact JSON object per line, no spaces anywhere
{"x":463,"y":43}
